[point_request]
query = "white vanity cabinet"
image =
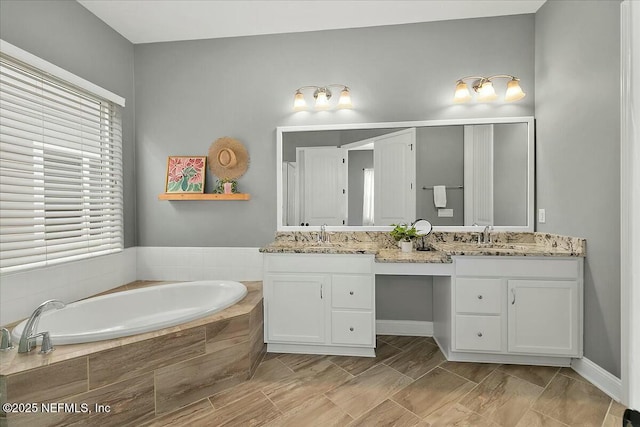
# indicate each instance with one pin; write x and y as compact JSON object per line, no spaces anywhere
{"x":543,"y":317}
{"x":319,"y":304}
{"x":511,"y":310}
{"x":296,"y":307}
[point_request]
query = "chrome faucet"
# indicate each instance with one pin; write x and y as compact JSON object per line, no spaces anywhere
{"x":323,"y":236}
{"x":5,"y":340}
{"x":486,"y":234}
{"x":29,"y":335}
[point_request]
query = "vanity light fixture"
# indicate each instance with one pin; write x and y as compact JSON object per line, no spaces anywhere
{"x":483,"y":86}
{"x":322,"y":95}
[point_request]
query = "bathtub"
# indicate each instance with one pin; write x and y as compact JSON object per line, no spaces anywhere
{"x":137,"y":311}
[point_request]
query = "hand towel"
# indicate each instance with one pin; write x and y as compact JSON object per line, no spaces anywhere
{"x":439,"y":196}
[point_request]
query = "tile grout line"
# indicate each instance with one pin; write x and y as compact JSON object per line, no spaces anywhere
{"x":407,"y":409}
{"x":405,"y":375}
{"x":547,"y":416}
{"x":606,"y":415}
{"x":528,"y":382}
{"x":545,"y":389}
{"x":455,"y":402}
{"x":348,"y":373}
{"x":460,"y":376}
{"x":273,"y":403}
{"x":530,"y":406}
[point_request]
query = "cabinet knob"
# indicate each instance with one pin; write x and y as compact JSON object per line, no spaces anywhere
{"x":351,"y":329}
{"x":350,"y":292}
{"x":479,"y":296}
{"x":480,"y":334}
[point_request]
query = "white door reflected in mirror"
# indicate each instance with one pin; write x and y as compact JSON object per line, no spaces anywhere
{"x":486,"y":167}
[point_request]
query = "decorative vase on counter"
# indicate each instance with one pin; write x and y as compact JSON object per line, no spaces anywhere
{"x":228,"y":188}
{"x":406,"y":246}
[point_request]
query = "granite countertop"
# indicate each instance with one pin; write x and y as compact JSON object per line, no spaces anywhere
{"x":443,"y":245}
{"x":320,"y":248}
{"x":396,"y":255}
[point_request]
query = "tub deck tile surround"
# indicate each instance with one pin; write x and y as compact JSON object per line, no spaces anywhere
{"x":142,"y":376}
{"x":11,"y":362}
{"x":117,"y":364}
{"x":131,"y":403}
{"x":57,"y":381}
{"x":194,"y":379}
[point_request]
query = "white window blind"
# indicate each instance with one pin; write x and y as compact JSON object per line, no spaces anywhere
{"x":60,"y":170}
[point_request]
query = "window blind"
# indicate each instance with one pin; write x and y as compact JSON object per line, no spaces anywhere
{"x":60,"y":170}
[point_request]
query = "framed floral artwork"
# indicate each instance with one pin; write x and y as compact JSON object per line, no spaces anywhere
{"x":185,"y":174}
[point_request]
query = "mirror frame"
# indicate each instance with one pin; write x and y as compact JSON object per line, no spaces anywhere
{"x":281,"y":130}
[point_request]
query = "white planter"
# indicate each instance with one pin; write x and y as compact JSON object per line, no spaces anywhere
{"x":406,"y":246}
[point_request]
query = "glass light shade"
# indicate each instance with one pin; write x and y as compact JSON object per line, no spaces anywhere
{"x":299,"y":103}
{"x":322,"y":101}
{"x":345,"y":99}
{"x":462,"y":93}
{"x":514,"y":91}
{"x":486,"y":92}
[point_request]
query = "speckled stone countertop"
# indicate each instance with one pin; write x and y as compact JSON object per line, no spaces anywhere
{"x":443,"y":245}
{"x":396,"y":255}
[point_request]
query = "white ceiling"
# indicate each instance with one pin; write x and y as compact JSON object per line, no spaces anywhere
{"x":148,"y":21}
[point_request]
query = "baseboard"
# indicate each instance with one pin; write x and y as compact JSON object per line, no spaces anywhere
{"x":416,"y":328}
{"x":601,"y":378}
{"x":332,"y":350}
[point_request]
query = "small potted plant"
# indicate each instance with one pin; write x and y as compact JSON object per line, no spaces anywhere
{"x":226,"y":186}
{"x":404,"y":234}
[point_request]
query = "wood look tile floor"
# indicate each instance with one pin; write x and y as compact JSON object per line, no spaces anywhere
{"x":408,"y":384}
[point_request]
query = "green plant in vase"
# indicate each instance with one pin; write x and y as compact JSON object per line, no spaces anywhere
{"x":404,"y":234}
{"x":220,"y":186}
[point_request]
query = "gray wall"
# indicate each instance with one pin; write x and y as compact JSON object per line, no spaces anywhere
{"x":190,"y":93}
{"x":404,"y":298}
{"x":510,"y":174}
{"x":358,"y":161}
{"x":293,"y":140}
{"x":578,"y":146}
{"x":440,"y":160}
{"x":69,"y":36}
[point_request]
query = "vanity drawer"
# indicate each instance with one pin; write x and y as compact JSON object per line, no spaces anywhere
{"x":352,"y":291}
{"x":352,"y":327}
{"x":483,"y":296}
{"x":478,"y":333}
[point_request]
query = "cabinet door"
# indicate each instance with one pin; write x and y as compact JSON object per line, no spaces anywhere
{"x":295,"y":306}
{"x":543,"y":317}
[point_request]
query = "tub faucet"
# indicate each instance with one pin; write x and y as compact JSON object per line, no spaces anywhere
{"x":5,"y":340}
{"x":29,"y":335}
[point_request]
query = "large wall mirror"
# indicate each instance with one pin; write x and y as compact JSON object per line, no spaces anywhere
{"x":457,"y":174}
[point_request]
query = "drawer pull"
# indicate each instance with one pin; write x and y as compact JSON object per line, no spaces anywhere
{"x":350,"y":292}
{"x":480,"y":334}
{"x":479,"y":296}
{"x":351,"y":329}
{"x":513,"y":292}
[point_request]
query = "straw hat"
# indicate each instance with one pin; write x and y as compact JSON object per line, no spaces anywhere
{"x":228,"y":158}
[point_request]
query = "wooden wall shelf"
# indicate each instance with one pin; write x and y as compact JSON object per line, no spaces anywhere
{"x":180,"y":196}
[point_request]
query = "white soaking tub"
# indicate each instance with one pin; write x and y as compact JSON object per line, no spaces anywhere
{"x":137,"y":311}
